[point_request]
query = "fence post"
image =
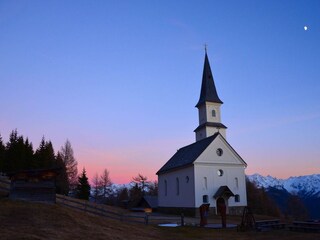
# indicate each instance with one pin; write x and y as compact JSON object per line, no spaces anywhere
{"x":182,"y":219}
{"x":146,"y":219}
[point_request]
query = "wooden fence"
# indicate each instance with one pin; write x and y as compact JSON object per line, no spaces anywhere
{"x":4,"y":185}
{"x":105,"y":211}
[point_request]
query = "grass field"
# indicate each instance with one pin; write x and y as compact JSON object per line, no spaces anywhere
{"x":24,"y":220}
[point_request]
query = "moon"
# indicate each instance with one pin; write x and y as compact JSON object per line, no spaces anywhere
{"x":305,"y":28}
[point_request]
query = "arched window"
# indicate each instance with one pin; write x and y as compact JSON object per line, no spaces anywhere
{"x":205,"y":183}
{"x":236,"y":182}
{"x":177,"y":186}
{"x":213,"y":113}
{"x":165,"y":188}
{"x":237,"y":198}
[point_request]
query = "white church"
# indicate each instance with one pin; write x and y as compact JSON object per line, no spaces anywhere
{"x":207,"y":171}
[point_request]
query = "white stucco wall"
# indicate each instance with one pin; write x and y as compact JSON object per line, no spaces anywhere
{"x":214,"y":182}
{"x":205,"y":113}
{"x":208,"y":164}
{"x":185,"y":198}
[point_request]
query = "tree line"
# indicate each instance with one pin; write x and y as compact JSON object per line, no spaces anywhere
{"x":277,"y":203}
{"x":18,"y":154}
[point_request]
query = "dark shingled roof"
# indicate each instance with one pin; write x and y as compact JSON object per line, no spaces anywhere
{"x":210,"y":124}
{"x":223,"y":191}
{"x":187,"y":155}
{"x":152,"y":201}
{"x":208,"y":90}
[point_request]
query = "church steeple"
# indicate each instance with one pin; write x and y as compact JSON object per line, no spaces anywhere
{"x":209,"y":106}
{"x":208,"y":89}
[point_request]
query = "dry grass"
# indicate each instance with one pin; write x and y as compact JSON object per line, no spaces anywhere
{"x":23,"y":220}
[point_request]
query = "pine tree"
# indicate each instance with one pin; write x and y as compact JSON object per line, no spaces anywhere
{"x":29,"y":155}
{"x":70,"y":163}
{"x":83,"y":186}
{"x":2,"y":152}
{"x":15,"y":153}
{"x":44,"y":155}
{"x":123,"y":197}
{"x":62,"y":182}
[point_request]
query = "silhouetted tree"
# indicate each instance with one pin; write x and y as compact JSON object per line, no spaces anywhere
{"x":2,"y":152}
{"x":83,"y":186}
{"x":62,"y":181}
{"x":44,"y":155}
{"x":153,"y":188}
{"x":29,"y":155}
{"x":70,"y":163}
{"x":97,"y":187}
{"x":135,"y":194}
{"x":105,"y":183}
{"x":15,"y":153}
{"x":141,"y":182}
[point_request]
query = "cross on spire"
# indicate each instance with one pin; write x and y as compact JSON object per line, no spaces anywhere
{"x":205,"y":47}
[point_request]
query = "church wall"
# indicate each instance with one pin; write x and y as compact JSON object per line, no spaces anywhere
{"x":211,"y":131}
{"x":173,"y":197}
{"x":209,"y":116}
{"x":214,"y":181}
{"x":209,"y":163}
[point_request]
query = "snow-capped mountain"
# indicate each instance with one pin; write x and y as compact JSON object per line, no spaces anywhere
{"x":308,"y":185}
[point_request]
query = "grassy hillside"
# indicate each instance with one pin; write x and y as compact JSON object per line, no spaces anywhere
{"x":23,"y":220}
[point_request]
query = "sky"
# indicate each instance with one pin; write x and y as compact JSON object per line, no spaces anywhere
{"x":120,"y":80}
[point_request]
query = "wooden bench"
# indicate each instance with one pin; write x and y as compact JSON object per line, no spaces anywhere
{"x":301,"y":226}
{"x":266,"y":225}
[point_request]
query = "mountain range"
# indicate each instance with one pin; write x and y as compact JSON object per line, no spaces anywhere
{"x":307,"y":188}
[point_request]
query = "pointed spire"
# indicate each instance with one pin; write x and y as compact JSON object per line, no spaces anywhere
{"x":208,"y":89}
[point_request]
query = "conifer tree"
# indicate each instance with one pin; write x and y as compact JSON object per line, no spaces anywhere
{"x":2,"y":151}
{"x":29,"y":155}
{"x":62,"y":182}
{"x":44,"y":155}
{"x":83,"y":186}
{"x":15,"y":153}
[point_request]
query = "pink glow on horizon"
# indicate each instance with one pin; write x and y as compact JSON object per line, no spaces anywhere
{"x":123,"y":165}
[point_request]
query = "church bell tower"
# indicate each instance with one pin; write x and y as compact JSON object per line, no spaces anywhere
{"x":209,"y":106}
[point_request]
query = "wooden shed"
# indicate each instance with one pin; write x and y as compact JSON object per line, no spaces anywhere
{"x":34,"y":185}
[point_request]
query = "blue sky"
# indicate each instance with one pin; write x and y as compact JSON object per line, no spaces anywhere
{"x":120,"y":79}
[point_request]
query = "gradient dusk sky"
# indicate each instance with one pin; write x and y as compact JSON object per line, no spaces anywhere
{"x":120,"y":80}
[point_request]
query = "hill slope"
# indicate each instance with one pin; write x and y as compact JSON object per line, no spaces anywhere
{"x":23,"y":220}
{"x":45,"y":221}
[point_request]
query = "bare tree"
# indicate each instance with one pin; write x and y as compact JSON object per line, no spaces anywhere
{"x":71,"y":164}
{"x":97,"y":187}
{"x":105,"y":183}
{"x":142,"y":182}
